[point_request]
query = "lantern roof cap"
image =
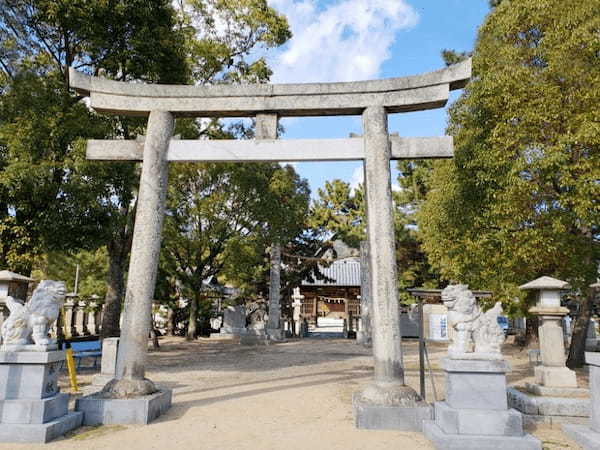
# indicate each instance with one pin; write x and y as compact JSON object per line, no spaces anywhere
{"x":545,"y":283}
{"x":7,"y":275}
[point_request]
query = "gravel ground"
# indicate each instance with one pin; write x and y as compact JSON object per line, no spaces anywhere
{"x":295,"y":395}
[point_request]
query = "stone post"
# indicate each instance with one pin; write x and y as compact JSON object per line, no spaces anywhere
{"x":274,"y":321}
{"x":91,"y":319}
{"x":363,"y":336}
{"x":386,"y":402}
{"x":108,"y":364}
{"x":266,"y":128}
{"x":589,"y":436}
{"x":297,"y":305}
{"x":82,"y":318}
{"x":592,"y":342}
{"x":133,"y":347}
{"x":69,"y":325}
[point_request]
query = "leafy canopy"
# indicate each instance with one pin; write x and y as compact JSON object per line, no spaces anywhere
{"x":521,"y":198}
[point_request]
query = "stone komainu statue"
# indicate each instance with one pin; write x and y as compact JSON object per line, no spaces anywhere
{"x":257,"y":317}
{"x":475,"y":332}
{"x":29,"y":323}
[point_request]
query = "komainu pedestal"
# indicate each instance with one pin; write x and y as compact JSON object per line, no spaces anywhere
{"x":475,"y":414}
{"x":31,"y":407}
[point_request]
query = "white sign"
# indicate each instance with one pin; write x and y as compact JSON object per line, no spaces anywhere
{"x":438,"y":327}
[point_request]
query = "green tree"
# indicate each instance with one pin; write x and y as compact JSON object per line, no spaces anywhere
{"x":521,"y":197}
{"x":54,"y":200}
{"x":125,"y":40}
{"x":339,"y":213}
{"x":93,"y":266}
{"x":220,"y":217}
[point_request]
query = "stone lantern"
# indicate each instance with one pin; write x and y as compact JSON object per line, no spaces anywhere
{"x":13,"y":285}
{"x":553,"y":372}
{"x":554,"y":397}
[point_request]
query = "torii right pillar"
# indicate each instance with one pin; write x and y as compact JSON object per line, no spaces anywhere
{"x":387,"y":402}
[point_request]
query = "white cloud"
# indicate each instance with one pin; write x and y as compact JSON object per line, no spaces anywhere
{"x":344,"y":40}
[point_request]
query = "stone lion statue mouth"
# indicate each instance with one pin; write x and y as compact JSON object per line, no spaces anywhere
{"x":28,"y":325}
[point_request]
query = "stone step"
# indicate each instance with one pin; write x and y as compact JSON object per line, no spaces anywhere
{"x":447,"y":441}
{"x":32,"y":411}
{"x":40,"y":433}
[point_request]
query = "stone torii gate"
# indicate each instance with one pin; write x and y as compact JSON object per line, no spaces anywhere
{"x":374,"y":100}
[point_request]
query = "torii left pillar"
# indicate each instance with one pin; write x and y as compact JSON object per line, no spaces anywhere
{"x":146,"y":400}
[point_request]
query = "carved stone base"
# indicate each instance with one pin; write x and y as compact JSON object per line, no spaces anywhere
{"x":32,"y":375}
{"x":475,"y":414}
{"x":31,"y":407}
{"x":389,"y":407}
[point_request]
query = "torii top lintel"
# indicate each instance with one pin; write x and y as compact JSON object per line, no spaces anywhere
{"x":413,"y":93}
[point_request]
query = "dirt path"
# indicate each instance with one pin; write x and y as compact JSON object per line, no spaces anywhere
{"x":295,"y":395}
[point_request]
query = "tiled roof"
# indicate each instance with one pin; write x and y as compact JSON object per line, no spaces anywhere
{"x":345,"y":272}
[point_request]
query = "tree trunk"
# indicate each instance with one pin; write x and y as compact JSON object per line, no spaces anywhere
{"x":115,"y":291}
{"x":577,"y":349}
{"x":154,"y":334}
{"x":191,"y":331}
{"x":170,"y":322}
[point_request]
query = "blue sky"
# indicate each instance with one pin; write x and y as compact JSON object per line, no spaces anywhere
{"x":344,"y":40}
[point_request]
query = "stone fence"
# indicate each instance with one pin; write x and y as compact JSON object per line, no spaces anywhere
{"x":80,"y":318}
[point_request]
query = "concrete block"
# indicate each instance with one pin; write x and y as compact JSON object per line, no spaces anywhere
{"x":375,"y":417}
{"x":447,"y":441}
{"x":27,"y":411}
{"x":40,"y":433}
{"x":140,"y":410}
{"x":478,"y":421}
{"x":583,"y":435}
{"x":555,"y":376}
